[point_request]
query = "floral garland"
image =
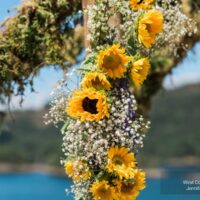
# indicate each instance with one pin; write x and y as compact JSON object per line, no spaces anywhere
{"x":101,"y":31}
{"x":102,"y":130}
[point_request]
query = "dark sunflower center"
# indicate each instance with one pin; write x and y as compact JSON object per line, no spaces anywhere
{"x":127,"y":187}
{"x":139,"y":71}
{"x":96,"y":82}
{"x":139,"y":1}
{"x":90,"y":105}
{"x":118,"y":161}
{"x":149,"y":28}
{"x":103,"y":191}
{"x":112,"y":61}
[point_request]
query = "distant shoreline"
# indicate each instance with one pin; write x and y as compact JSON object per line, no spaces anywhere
{"x":59,"y":171}
{"x":21,"y":168}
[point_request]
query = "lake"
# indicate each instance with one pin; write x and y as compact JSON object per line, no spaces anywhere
{"x":39,"y":186}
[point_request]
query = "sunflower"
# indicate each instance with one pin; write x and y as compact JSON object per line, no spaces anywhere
{"x":103,"y":191}
{"x":141,"y":4}
{"x":121,"y":162}
{"x":113,"y":61}
{"x":139,"y":71}
{"x":130,"y":189}
{"x":149,"y":26}
{"x":96,"y":80}
{"x":77,"y":170}
{"x":87,"y":105}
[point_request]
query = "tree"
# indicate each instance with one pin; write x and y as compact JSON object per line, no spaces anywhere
{"x":50,"y":32}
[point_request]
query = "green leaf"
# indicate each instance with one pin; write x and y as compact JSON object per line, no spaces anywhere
{"x":79,"y":196}
{"x":65,"y":126}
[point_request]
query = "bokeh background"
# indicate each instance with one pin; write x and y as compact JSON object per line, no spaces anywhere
{"x":30,"y":151}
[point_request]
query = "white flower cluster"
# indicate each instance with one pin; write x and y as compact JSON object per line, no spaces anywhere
{"x":81,"y":190}
{"x":176,"y":24}
{"x":63,"y":89}
{"x":57,"y":112}
{"x":91,"y":140}
{"x":104,"y":24}
{"x":97,"y":21}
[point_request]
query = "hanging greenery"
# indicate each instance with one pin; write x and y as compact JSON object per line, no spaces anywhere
{"x":44,"y":32}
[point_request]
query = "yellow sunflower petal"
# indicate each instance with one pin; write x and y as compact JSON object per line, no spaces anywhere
{"x":121,"y":162}
{"x":87,"y":105}
{"x":129,"y":190}
{"x":103,"y":191}
{"x":95,"y":80}
{"x":149,"y":26}
{"x":139,"y":71}
{"x":112,"y":61}
{"x":141,"y":4}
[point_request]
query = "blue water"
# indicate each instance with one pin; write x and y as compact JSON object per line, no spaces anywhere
{"x":37,"y":186}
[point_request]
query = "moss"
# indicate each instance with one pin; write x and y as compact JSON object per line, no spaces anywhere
{"x":38,"y":35}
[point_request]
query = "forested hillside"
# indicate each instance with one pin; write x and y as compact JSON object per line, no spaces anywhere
{"x":175,"y":129}
{"x":175,"y":132}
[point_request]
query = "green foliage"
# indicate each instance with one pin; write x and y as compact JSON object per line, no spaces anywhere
{"x":89,"y":64}
{"x":39,"y":35}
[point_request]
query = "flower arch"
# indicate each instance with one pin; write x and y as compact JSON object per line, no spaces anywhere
{"x":103,"y":129}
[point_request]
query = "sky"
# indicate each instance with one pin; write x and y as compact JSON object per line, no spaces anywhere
{"x":188,"y":72}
